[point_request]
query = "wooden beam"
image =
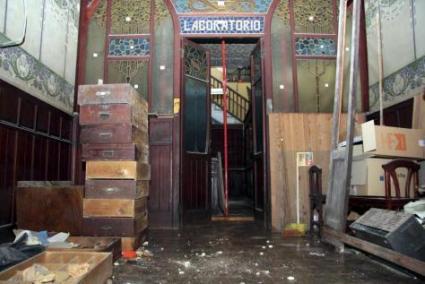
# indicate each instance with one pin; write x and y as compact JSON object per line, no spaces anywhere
{"x":397,"y":258}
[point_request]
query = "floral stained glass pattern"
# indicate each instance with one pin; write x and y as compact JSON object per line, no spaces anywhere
{"x":315,"y":46}
{"x":128,"y":47}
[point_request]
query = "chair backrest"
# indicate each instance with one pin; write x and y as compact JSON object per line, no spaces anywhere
{"x":391,"y":174}
{"x":315,"y":180}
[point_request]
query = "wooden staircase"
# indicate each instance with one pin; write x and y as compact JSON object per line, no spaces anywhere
{"x":238,"y":106}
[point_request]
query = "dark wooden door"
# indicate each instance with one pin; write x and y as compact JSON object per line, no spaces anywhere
{"x":196,"y":108}
{"x":257,"y":99}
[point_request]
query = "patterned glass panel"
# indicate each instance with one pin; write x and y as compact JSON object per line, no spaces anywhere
{"x":315,"y":46}
{"x":314,"y":16}
{"x":130,"y":16}
{"x":252,"y":6}
{"x":122,"y":47}
{"x":195,"y":62}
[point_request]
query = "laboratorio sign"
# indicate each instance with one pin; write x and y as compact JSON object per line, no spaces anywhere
{"x":190,"y":25}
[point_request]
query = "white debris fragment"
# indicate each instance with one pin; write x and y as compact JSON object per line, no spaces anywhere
{"x":116,"y":263}
{"x":145,"y":244}
{"x":267,"y":272}
{"x":261,"y":253}
{"x":268,"y":241}
{"x":181,"y":272}
{"x":290,"y":278}
{"x":256,"y":264}
{"x":317,"y":253}
{"x":270,"y":246}
{"x":203,"y":254}
{"x":263,"y":247}
{"x":162,"y":249}
{"x":219,"y":252}
{"x":186,"y":264}
{"x":258,"y":273}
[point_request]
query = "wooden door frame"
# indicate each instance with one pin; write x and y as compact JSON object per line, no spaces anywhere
{"x":267,"y":96}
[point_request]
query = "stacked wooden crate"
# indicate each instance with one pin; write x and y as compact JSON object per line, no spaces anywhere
{"x":115,"y":147}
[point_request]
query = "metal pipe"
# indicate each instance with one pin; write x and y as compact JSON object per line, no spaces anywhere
{"x":226,"y":183}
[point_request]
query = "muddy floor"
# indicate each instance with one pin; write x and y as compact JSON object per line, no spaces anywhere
{"x":245,"y":253}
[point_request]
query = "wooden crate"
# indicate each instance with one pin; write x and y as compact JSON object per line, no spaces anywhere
{"x":113,"y":134}
{"x":94,"y":244}
{"x":51,"y":206}
{"x":119,"y":227}
{"x":109,"y":94}
{"x":135,"y":115}
{"x":100,"y":265}
{"x":121,"y":189}
{"x":114,"y":207}
{"x":117,"y":170}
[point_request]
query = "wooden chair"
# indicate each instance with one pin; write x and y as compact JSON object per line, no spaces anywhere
{"x":316,"y":198}
{"x":391,"y":175}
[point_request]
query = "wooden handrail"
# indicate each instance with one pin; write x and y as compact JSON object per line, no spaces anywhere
{"x":238,"y":105}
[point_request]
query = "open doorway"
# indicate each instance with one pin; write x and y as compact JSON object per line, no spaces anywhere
{"x":203,"y":149}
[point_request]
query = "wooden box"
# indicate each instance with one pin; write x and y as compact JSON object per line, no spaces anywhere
{"x":114,"y":207}
{"x":121,"y":189}
{"x":119,"y":227}
{"x":100,"y":265}
{"x":51,"y":206}
{"x":94,"y":244}
{"x":135,"y":115}
{"x":109,"y":94}
{"x":117,"y":170}
{"x":105,"y":152}
{"x":113,"y":134}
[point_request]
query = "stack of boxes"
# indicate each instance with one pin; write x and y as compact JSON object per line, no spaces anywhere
{"x":115,"y":147}
{"x":381,"y":145}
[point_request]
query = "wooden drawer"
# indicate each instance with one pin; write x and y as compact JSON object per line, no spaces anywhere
{"x":109,"y":94}
{"x":119,"y":227}
{"x":121,"y":189}
{"x":135,"y":115}
{"x":113,"y":134}
{"x":99,"y":270}
{"x":114,"y":207}
{"x":104,"y":152}
{"x":117,"y":170}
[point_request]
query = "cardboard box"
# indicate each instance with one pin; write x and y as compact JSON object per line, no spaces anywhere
{"x":393,"y":141}
{"x":367,"y":177}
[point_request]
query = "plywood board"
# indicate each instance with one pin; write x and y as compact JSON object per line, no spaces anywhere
{"x":291,"y":133}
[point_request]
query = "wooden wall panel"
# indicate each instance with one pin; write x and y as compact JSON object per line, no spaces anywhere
{"x":161,"y":200}
{"x":291,"y":133}
{"x":195,"y":181}
{"x":28,"y":151}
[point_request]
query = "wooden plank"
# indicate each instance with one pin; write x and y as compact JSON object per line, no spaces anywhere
{"x":232,"y":218}
{"x":133,"y":243}
{"x":117,"y":170}
{"x":291,"y":133}
{"x":121,"y":189}
{"x":51,"y":208}
{"x":113,"y":207}
{"x":418,"y":119}
{"x":402,"y":260}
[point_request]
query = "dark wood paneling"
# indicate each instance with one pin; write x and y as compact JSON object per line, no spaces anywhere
{"x":399,"y":115}
{"x":28,"y":148}
{"x":161,"y":208}
{"x":195,"y":181}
